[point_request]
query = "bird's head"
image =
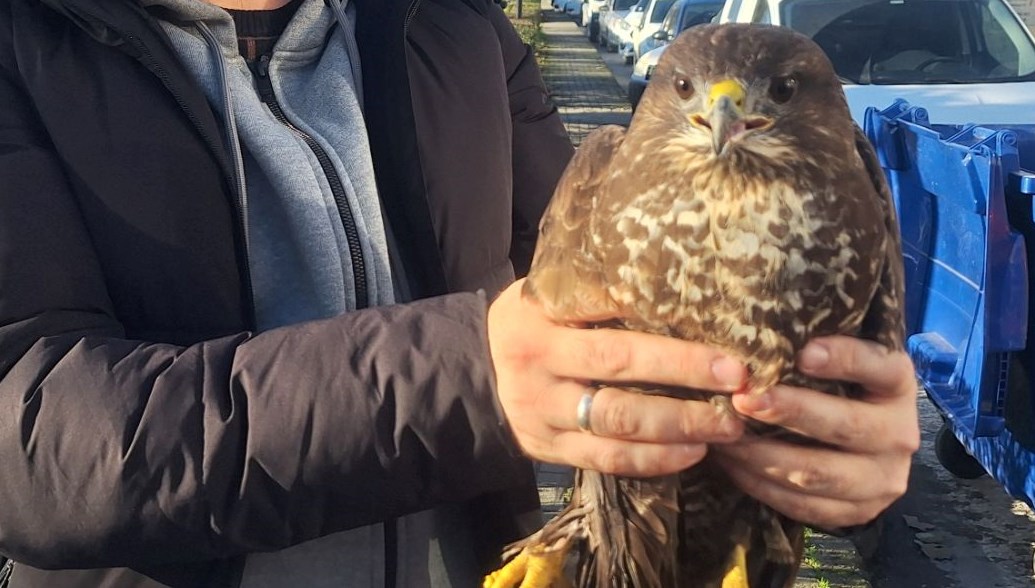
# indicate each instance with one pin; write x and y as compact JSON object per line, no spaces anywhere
{"x":756,"y":90}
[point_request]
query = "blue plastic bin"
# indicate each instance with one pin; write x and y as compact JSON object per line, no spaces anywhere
{"x":964,"y":202}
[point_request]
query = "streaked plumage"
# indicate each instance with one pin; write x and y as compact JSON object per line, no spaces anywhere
{"x":743,"y":209}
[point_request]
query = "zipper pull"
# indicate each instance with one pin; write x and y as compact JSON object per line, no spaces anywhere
{"x":264,"y":66}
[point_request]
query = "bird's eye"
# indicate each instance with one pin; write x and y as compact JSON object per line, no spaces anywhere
{"x":782,"y":89}
{"x":684,"y":88}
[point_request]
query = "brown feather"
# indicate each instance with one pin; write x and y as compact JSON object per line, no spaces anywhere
{"x":787,"y":235}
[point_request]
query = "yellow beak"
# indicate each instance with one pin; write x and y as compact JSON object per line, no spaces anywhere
{"x":724,"y":114}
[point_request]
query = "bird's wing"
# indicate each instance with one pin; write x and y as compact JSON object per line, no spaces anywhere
{"x":565,"y":275}
{"x":884,"y":321}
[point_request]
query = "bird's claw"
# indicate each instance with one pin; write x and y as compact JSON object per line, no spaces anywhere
{"x":737,"y":572}
{"x":532,"y":568}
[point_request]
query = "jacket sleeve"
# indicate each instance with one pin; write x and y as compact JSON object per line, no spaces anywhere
{"x":541,"y":147}
{"x":115,"y":452}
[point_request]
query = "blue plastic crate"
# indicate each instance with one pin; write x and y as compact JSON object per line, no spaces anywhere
{"x":964,"y":202}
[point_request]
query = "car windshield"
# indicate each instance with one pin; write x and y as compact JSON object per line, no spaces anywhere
{"x":660,"y":10}
{"x":624,"y":4}
{"x":695,"y":13}
{"x":916,"y":41}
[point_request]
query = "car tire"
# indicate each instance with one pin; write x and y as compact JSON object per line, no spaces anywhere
{"x":635,"y":93}
{"x":954,"y":456}
{"x":628,"y":60}
{"x":594,"y":33}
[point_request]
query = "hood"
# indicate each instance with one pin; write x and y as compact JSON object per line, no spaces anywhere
{"x":995,"y":103}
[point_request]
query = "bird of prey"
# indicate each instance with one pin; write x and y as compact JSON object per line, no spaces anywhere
{"x":744,"y":209}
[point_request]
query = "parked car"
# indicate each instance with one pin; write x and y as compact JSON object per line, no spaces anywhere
{"x":573,"y":8}
{"x":645,"y":26}
{"x":625,"y":28}
{"x":591,"y":18}
{"x":682,"y":15}
{"x":615,"y":14}
{"x":964,"y":60}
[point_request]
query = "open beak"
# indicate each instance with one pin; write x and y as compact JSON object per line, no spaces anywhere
{"x":725,"y":116}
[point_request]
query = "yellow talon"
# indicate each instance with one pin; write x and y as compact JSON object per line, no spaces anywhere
{"x":530,"y":570}
{"x":737,"y":574}
{"x":509,"y":575}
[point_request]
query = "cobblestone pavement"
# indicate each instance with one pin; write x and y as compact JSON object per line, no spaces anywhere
{"x":583,"y":88}
{"x":946,"y":533}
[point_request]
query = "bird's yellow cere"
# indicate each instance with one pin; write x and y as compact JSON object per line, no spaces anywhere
{"x":731,"y":89}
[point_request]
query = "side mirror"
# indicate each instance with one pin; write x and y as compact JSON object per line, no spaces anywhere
{"x":659,"y":36}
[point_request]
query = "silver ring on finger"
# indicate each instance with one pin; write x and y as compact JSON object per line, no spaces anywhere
{"x":582,"y":413}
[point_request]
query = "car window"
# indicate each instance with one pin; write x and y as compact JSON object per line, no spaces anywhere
{"x":762,"y":15}
{"x":669,"y":24}
{"x":660,"y":9}
{"x":916,"y":41}
{"x":695,"y":14}
{"x":624,"y":4}
{"x":735,"y":10}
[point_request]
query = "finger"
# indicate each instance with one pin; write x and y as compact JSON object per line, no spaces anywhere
{"x":881,"y":372}
{"x":633,"y":416}
{"x":610,"y":355}
{"x":624,"y":458}
{"x":815,"y":471}
{"x":816,"y":511}
{"x":853,"y":424}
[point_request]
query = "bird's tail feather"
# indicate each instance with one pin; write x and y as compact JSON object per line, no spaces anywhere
{"x":635,"y":521}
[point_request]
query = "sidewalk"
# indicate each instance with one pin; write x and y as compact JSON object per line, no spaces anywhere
{"x":588,"y":96}
{"x":583,"y":88}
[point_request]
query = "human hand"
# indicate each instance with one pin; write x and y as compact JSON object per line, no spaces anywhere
{"x":872,"y":439}
{"x":543,"y":369}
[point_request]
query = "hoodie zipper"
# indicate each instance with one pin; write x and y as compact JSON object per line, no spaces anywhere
{"x":410,"y":13}
{"x":359,"y":273}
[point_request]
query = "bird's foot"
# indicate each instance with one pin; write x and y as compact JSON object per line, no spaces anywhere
{"x":736,"y":570}
{"x":534,"y":567}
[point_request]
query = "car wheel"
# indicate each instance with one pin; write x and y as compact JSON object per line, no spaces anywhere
{"x":954,"y":457}
{"x":628,"y":60}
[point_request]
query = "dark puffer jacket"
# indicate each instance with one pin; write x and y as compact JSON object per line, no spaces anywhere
{"x":141,"y":423}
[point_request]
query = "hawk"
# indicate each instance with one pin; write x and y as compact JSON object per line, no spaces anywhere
{"x":744,"y":209}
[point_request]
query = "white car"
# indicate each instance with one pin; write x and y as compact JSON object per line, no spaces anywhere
{"x":963,"y":60}
{"x":681,"y":16}
{"x":624,"y":29}
{"x":648,"y":24}
{"x":615,"y":13}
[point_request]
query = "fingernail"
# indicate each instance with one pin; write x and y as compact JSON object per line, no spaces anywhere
{"x":754,"y":402}
{"x":730,"y":425}
{"x":814,"y":357}
{"x":728,"y":372}
{"x":691,"y":454}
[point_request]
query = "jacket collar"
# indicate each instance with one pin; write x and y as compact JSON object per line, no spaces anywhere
{"x":125,"y":25}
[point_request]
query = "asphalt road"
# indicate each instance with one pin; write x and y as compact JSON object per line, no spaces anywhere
{"x":954,"y":533}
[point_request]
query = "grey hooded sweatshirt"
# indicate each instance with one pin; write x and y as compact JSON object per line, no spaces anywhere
{"x":300,"y":255}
